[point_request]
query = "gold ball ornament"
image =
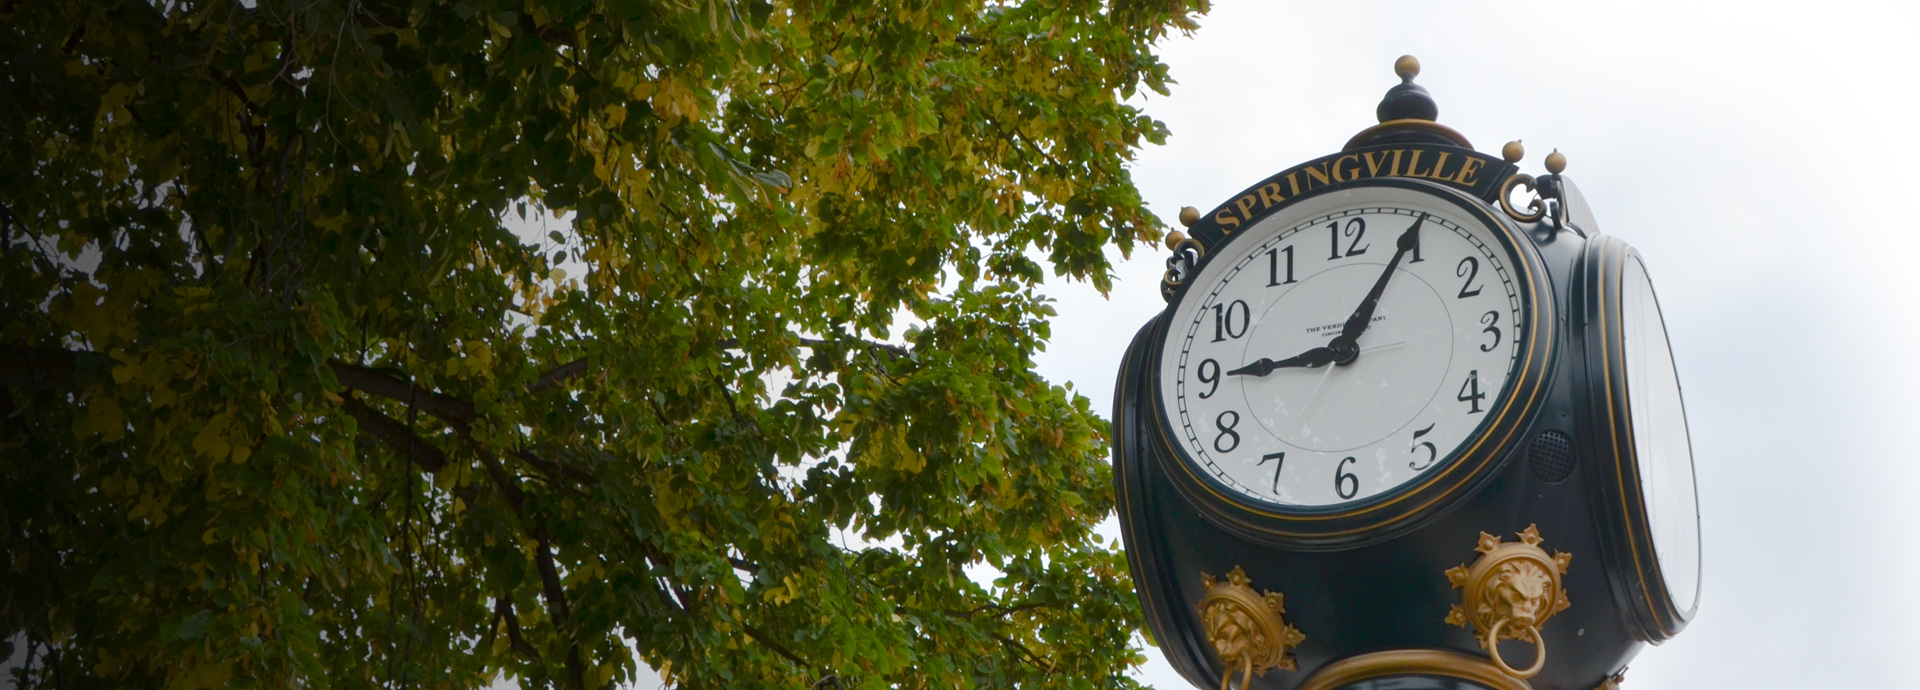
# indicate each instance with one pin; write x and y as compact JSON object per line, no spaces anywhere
{"x":1407,"y":67}
{"x":1189,"y":215}
{"x":1174,"y":238}
{"x":1513,"y":151}
{"x":1556,"y":162}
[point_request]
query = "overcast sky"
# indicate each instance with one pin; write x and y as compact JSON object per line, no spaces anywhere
{"x":1759,"y":155}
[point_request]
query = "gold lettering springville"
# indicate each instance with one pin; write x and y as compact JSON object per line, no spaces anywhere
{"x":1464,"y":170}
{"x":1245,"y":205}
{"x":1341,"y":173}
{"x":1373,"y":165}
{"x":1469,"y":168}
{"x":1413,"y":164}
{"x":1270,"y":195}
{"x":1224,"y":217}
{"x":1439,"y":165}
{"x":1319,"y":173}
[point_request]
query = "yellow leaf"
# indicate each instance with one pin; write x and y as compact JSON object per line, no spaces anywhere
{"x":211,"y":441}
{"x":600,"y":674}
{"x":103,"y":417}
{"x":668,"y":502}
{"x":909,"y":459}
{"x":162,"y":395}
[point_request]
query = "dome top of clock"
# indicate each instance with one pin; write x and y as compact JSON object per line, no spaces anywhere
{"x":1407,"y":101}
{"x":1407,"y":114}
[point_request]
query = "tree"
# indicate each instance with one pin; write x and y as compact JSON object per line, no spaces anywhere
{"x":288,"y":402}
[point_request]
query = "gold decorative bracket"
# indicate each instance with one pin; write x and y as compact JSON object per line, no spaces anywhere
{"x":1245,"y":627}
{"x":1536,"y":205}
{"x":1510,"y":591}
{"x":1186,"y":257}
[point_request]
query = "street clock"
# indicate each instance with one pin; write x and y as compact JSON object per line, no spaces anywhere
{"x":1404,"y":406}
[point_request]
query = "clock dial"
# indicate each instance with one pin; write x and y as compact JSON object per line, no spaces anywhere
{"x":1342,"y":349}
{"x":1662,"y":452}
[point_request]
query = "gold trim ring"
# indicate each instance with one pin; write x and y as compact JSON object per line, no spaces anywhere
{"x":1246,"y":674}
{"x":1539,"y":644}
{"x":1402,"y":662}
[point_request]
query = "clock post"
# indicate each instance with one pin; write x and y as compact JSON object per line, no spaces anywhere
{"x":1408,"y":420}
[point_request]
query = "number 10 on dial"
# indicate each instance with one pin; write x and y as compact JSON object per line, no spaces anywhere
{"x":1342,"y":349}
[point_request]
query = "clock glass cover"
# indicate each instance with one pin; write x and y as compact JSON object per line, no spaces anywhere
{"x":1342,"y":349}
{"x":1663,"y":455}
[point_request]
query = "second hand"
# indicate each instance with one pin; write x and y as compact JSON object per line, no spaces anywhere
{"x":1313,"y":401}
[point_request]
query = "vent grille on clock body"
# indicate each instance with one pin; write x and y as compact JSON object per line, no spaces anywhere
{"x":1550,"y":456}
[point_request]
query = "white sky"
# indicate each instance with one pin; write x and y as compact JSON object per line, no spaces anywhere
{"x":1759,"y":156}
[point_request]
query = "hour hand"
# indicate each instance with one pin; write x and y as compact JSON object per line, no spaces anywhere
{"x":1316,"y":357}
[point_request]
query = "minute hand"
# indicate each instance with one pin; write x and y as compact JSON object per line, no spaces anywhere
{"x":1363,"y":316}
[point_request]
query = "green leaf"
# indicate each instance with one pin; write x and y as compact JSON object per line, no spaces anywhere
{"x":195,"y":626}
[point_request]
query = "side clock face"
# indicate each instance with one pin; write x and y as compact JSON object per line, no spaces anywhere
{"x":1662,"y":452}
{"x":1343,"y":349}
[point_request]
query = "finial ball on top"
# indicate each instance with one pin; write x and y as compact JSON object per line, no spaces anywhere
{"x":1174,"y":238}
{"x":1407,"y":67}
{"x":1189,"y":215}
{"x":1513,"y":151}
{"x":1556,"y":162}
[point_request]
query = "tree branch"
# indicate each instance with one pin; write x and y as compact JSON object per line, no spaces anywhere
{"x":38,"y":367}
{"x":1015,"y":645}
{"x":998,"y":610}
{"x":557,"y":608}
{"x":550,"y":587}
{"x":395,"y":434}
{"x":889,"y":348}
{"x":558,"y":375}
{"x":449,"y":409}
{"x":504,"y":610}
{"x":776,"y":647}
{"x":553,"y":33}
{"x":45,"y":367}
{"x":509,"y":489}
{"x":556,"y":467}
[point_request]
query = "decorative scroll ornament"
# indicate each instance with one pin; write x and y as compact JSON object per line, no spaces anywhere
{"x":1536,"y":205}
{"x":1510,"y":591}
{"x":1245,"y":627}
{"x":1186,"y":257}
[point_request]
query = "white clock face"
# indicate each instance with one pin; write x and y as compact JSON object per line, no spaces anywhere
{"x":1284,"y":386}
{"x":1663,"y":454}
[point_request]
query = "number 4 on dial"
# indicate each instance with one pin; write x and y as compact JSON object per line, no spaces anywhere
{"x":1470,"y":391}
